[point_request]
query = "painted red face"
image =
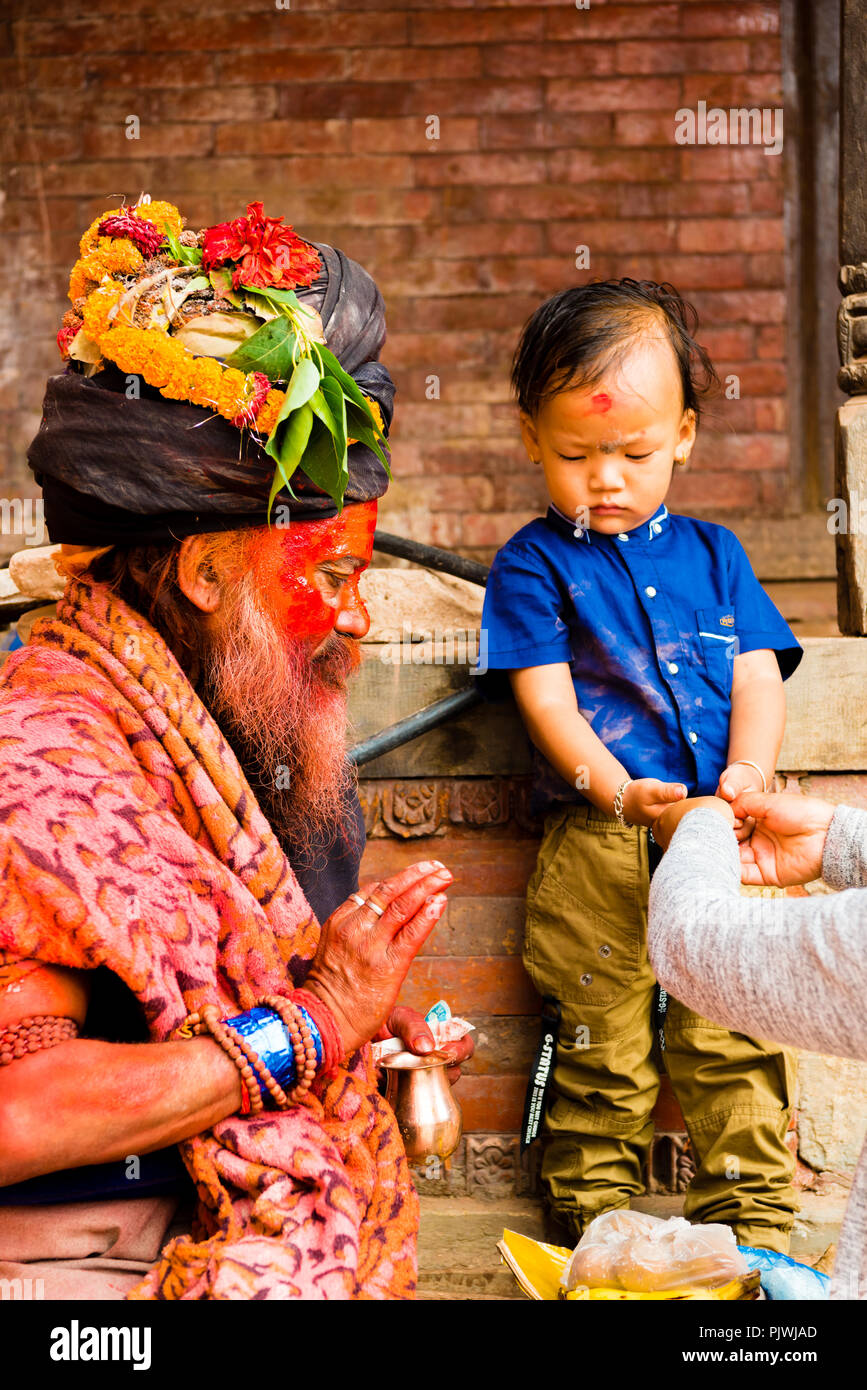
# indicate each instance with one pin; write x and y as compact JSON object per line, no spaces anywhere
{"x":306,"y":572}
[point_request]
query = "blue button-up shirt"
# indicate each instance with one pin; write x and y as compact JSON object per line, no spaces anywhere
{"x":649,"y":621}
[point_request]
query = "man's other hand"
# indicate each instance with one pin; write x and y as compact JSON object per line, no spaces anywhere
{"x":414,"y":1033}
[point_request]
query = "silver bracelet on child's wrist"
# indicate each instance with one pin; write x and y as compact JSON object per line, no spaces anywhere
{"x":747,"y":762}
{"x":618,"y":802}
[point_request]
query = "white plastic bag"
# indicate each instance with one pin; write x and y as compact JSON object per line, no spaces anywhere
{"x":646,"y":1254}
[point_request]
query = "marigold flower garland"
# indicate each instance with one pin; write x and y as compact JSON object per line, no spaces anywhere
{"x":108,"y":257}
{"x":176,"y":373}
{"x":246,"y":398}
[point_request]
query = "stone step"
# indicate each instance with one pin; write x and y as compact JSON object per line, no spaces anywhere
{"x":444,"y":1285}
{"x":461,"y":1233}
{"x":459,"y":1260}
{"x":457,"y":1253}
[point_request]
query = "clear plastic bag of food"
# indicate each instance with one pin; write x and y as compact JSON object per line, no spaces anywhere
{"x":631,"y":1250}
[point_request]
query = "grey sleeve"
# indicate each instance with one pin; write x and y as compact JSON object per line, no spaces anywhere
{"x":844,"y":859}
{"x":792,"y":970}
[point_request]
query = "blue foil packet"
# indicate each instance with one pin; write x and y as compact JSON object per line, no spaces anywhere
{"x":784,"y":1278}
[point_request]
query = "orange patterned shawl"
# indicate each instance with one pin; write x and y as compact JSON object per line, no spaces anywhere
{"x":130,"y":838}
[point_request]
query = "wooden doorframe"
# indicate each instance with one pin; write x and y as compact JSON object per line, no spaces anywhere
{"x":811,"y":96}
{"x":851,"y":435}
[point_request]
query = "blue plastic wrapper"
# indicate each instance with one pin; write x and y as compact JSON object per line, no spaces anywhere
{"x":784,"y":1278}
{"x":264,"y":1031}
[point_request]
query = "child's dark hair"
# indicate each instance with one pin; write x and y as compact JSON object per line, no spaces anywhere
{"x":574,"y":337}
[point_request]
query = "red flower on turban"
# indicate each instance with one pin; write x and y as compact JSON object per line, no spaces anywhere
{"x":64,"y":338}
{"x":138,"y":230}
{"x":261,"y":251}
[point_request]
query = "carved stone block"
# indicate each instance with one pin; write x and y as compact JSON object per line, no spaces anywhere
{"x":852,"y":333}
{"x":411,"y":809}
{"x":492,"y":1165}
{"x":480,"y":802}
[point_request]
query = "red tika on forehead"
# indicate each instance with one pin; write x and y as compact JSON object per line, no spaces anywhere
{"x":601,"y":403}
{"x":331,"y":538}
{"x":287,"y":568}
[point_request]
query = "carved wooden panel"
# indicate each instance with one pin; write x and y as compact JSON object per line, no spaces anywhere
{"x":492,"y":1165}
{"x":479,"y":802}
{"x":414,"y":806}
{"x":411,"y":809}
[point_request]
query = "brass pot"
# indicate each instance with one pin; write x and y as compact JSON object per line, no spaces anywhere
{"x":428,"y":1116}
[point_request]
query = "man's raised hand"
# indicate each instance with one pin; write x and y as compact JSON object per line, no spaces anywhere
{"x":366,"y":949}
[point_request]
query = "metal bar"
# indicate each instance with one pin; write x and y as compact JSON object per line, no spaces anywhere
{"x":432,"y":557}
{"x":414,"y":725}
{"x":405,"y":730}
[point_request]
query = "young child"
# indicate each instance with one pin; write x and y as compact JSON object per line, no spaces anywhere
{"x":648,"y":665}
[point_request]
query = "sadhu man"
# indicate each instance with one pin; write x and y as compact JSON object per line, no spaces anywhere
{"x":176,"y":813}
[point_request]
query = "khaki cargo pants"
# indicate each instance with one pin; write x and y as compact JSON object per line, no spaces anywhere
{"x":586,"y":944}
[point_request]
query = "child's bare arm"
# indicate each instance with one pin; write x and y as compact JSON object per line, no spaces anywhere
{"x":756,"y":726}
{"x":546,"y":699}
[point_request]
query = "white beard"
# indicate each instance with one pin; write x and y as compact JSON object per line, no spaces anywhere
{"x":284,"y":713}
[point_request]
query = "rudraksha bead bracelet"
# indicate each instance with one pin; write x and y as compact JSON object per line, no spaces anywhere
{"x":33,"y":1034}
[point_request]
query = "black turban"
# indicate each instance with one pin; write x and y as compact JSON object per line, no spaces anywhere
{"x":120,"y":471}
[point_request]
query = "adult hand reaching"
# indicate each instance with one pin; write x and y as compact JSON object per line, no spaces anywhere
{"x":364,"y":955}
{"x":787,"y":840}
{"x":665,"y":825}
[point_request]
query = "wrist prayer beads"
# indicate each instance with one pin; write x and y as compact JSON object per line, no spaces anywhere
{"x":272,"y":1045}
{"x":33,"y":1034}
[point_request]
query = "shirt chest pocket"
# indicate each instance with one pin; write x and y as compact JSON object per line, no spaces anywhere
{"x":719,"y":644}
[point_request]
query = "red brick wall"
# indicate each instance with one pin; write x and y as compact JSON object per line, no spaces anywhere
{"x":556,"y":129}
